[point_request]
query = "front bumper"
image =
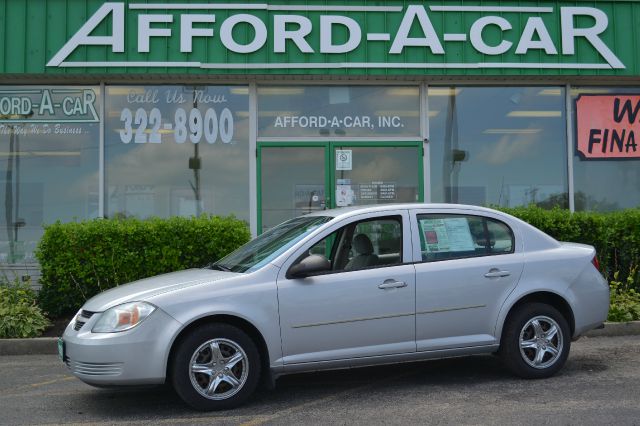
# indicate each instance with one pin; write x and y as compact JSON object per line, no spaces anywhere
{"x":134,"y":357}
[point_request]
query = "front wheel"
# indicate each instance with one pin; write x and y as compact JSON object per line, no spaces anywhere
{"x":215,"y":367}
{"x":536,"y":341}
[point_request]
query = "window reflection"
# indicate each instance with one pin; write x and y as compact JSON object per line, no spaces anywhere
{"x":502,"y":146}
{"x":177,"y":151}
{"x":379,"y":175}
{"x":338,"y":111}
{"x":48,"y":162}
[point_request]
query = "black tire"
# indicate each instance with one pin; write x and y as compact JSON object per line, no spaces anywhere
{"x":538,"y":361}
{"x":197,"y":346}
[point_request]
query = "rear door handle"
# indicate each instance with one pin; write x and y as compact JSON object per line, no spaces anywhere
{"x":392,"y":284}
{"x":497,"y":273}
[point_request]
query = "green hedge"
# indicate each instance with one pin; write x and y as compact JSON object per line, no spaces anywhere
{"x":616,"y":236}
{"x":81,"y":259}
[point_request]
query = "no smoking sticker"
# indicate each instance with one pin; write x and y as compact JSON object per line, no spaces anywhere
{"x":344,"y":159}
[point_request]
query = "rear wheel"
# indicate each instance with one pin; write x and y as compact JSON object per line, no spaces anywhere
{"x":217,"y":366}
{"x":536,"y":341}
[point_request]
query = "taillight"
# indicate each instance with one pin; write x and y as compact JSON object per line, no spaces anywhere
{"x":595,"y":262}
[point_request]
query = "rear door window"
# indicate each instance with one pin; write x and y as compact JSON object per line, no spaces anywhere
{"x":452,"y":236}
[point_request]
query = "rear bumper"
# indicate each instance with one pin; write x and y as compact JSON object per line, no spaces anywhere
{"x":135,"y":357}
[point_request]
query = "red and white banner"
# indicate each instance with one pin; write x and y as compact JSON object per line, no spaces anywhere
{"x":608,"y":127}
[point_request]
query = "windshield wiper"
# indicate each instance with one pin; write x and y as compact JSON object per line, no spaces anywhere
{"x":219,"y":267}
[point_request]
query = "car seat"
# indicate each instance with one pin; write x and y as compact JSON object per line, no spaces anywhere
{"x":365,"y":257}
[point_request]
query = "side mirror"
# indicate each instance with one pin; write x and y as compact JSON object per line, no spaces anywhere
{"x":308,"y":266}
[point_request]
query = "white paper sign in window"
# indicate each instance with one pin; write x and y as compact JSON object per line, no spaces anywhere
{"x":344,"y":159}
{"x":447,"y":235}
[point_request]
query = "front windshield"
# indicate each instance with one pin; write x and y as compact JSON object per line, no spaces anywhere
{"x":271,"y":244}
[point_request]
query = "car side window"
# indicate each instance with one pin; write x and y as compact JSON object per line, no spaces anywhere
{"x":364,"y":244}
{"x":500,"y":237}
{"x":452,"y":236}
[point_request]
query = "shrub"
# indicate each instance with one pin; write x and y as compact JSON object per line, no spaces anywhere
{"x":616,"y":236}
{"x":625,"y":301}
{"x":81,"y":259}
{"x":19,"y":315}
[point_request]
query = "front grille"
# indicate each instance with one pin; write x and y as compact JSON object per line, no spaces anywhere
{"x":82,"y":318}
{"x":95,"y":369}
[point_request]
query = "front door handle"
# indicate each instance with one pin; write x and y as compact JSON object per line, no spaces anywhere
{"x":497,"y":273}
{"x":392,"y":284}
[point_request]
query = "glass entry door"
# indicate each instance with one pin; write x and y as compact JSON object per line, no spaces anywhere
{"x":292,"y":181}
{"x":377,"y":173}
{"x":298,"y":178}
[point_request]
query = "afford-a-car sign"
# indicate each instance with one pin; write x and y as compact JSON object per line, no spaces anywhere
{"x":607,"y":126}
{"x":209,"y":33}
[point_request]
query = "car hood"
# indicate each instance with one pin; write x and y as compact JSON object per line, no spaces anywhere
{"x":146,"y":288}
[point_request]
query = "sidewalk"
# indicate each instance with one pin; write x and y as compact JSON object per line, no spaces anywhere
{"x":48,"y":345}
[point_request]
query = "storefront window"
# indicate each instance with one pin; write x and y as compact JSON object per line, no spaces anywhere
{"x":606,"y":162}
{"x":177,"y":151}
{"x":49,"y":137}
{"x":338,"y":111}
{"x":503,"y":146}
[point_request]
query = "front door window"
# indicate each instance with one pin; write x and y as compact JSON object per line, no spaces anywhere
{"x":366,"y":244}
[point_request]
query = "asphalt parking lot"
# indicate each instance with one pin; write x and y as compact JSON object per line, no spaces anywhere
{"x":600,"y":384}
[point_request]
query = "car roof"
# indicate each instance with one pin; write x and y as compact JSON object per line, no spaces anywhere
{"x":349,"y":211}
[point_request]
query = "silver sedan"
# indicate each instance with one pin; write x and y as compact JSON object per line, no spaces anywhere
{"x":345,"y":288}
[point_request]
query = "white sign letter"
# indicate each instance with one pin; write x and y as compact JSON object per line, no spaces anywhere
{"x":281,"y":34}
{"x":569,"y":33}
{"x":430,"y":38}
{"x":478,"y":42}
{"x":226,"y":33}
{"x":326,"y":34}
{"x":82,"y":37}
{"x":145,"y":32}
{"x":46,"y":104}
{"x":535,"y":25}
{"x":187,"y":32}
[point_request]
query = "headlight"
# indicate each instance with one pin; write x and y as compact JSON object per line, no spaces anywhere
{"x":75,"y":318}
{"x":123,"y":317}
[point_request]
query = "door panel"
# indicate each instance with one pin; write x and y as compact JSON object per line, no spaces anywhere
{"x":458,"y":300}
{"x":347,"y":314}
{"x":456,"y":305}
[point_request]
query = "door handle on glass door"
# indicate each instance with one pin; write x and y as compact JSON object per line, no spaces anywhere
{"x":496,"y":273}
{"x":392,"y":284}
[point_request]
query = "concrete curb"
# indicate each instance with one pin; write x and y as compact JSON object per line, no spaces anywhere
{"x":616,"y":329}
{"x":48,"y":345}
{"x":36,"y":346}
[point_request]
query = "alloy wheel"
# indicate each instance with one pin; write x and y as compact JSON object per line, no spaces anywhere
{"x":541,"y":342}
{"x":218,"y":369}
